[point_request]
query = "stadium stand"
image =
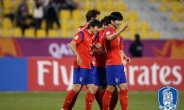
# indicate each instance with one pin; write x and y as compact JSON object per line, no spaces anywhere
{"x":76,"y":15}
{"x":65,"y":33}
{"x":152,"y":19}
{"x":29,"y":33}
{"x":6,"y":23}
{"x":53,"y":33}
{"x":16,"y":32}
{"x":65,"y":15}
{"x":5,"y":33}
{"x":41,"y":33}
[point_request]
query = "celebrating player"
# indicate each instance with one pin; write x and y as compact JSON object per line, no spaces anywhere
{"x":99,"y":63}
{"x":90,"y":16}
{"x":115,"y":75}
{"x":81,"y":47}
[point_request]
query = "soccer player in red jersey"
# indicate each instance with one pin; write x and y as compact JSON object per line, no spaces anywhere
{"x":99,"y":67}
{"x":115,"y":75}
{"x":81,"y":47}
{"x":90,"y":16}
{"x":99,"y":61}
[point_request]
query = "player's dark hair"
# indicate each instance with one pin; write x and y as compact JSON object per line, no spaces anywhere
{"x":94,"y":23}
{"x":116,"y":16}
{"x":105,"y":21}
{"x":92,"y":14}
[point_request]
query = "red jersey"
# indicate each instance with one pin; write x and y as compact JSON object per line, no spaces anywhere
{"x":113,"y":47}
{"x":100,"y":57}
{"x":84,"y":42}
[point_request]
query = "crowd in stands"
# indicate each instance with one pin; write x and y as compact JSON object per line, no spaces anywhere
{"x":47,"y":10}
{"x":61,"y":18}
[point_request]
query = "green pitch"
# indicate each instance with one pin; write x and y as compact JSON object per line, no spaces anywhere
{"x":54,"y":100}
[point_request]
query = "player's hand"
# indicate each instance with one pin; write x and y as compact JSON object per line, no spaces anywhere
{"x":79,"y":60}
{"x":98,"y":45}
{"x":125,"y":27}
{"x":103,"y":51}
{"x":128,"y":60}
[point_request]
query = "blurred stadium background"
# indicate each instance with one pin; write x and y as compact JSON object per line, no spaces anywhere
{"x":23,"y":57}
{"x":153,"y":19}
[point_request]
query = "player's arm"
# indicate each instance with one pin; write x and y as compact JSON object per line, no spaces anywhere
{"x":74,"y":50}
{"x":73,"y":47}
{"x":111,"y":37}
{"x":73,"y":44}
{"x":124,"y":57}
{"x":95,"y":44}
{"x":95,"y":49}
{"x":81,"y":29}
{"x":78,"y":30}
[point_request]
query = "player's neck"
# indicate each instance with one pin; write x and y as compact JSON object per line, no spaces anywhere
{"x":89,"y":31}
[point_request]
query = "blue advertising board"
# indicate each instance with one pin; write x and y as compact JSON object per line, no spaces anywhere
{"x":13,"y":74}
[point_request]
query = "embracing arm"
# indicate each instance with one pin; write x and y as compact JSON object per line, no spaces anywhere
{"x":81,"y":29}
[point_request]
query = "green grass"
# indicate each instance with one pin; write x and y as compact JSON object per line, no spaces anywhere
{"x":53,"y":101}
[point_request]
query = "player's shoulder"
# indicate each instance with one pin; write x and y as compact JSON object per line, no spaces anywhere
{"x":82,"y":32}
{"x":78,"y":35}
{"x":108,"y":29}
{"x":79,"y":28}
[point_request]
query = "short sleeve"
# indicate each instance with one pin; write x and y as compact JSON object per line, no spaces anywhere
{"x":107,"y":33}
{"x":77,"y":38}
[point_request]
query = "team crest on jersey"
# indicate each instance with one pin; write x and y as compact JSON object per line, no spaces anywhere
{"x":167,"y":98}
{"x":107,"y":33}
{"x":76,"y":37}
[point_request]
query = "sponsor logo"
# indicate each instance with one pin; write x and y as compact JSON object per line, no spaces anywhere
{"x":167,"y":98}
{"x":58,"y":51}
{"x":142,"y":74}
